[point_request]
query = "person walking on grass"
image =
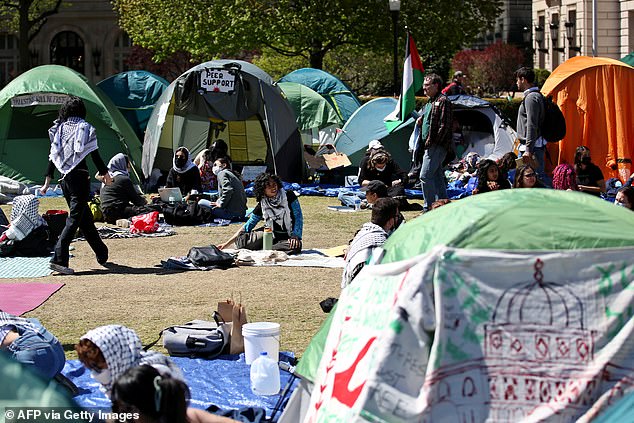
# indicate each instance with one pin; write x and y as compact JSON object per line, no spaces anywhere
{"x":72,"y":140}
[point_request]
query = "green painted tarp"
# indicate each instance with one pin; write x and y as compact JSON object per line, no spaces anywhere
{"x":28,"y":106}
{"x":629,"y":59}
{"x":512,"y":220}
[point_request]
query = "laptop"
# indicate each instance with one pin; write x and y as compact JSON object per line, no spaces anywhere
{"x":170,"y":194}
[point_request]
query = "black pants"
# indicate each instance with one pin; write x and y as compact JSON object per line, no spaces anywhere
{"x":76,"y":189}
{"x":112,"y":214}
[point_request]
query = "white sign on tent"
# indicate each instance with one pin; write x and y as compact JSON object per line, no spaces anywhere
{"x":38,"y":99}
{"x":217,"y":80}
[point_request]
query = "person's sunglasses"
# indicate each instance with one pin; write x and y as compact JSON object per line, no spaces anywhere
{"x":529,"y":175}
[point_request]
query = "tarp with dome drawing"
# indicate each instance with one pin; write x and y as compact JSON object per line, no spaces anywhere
{"x":452,"y":328}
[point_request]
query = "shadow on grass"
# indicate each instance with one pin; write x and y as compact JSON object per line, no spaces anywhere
{"x":119,"y":269}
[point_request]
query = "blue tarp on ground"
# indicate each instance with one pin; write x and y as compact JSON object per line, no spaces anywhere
{"x":223,"y":382}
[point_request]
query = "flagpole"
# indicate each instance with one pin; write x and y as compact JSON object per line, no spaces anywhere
{"x":395,"y":7}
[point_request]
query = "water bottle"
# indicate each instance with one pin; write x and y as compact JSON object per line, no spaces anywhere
{"x":265,"y":376}
{"x":357,"y":203}
{"x":267,"y":239}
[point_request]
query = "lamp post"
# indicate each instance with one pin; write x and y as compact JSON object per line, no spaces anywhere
{"x":395,"y":7}
{"x":526,"y":37}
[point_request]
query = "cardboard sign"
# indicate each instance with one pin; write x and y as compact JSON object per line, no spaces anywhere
{"x":249,"y":173}
{"x":335,"y":160}
{"x":217,"y":80}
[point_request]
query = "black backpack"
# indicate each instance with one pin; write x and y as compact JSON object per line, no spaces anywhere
{"x":553,"y":126}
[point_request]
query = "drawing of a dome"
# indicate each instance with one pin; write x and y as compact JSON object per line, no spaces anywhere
{"x":544,"y":303}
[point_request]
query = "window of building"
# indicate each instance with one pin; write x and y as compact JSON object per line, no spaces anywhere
{"x":122,"y":46}
{"x":630,"y":28}
{"x":541,"y":56}
{"x":9,"y":58}
{"x":67,"y":49}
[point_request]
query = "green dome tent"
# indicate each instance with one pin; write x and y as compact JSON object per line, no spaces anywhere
{"x":232,"y":100}
{"x":28,"y":106}
{"x":577,"y":236}
{"x":317,"y":120}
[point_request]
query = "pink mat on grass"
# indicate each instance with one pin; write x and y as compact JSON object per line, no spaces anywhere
{"x":19,"y":298}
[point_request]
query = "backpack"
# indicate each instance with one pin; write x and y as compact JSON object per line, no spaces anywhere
{"x":553,"y":126}
{"x":198,"y":338}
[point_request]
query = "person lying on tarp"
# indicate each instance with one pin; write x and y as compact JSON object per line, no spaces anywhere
{"x":281,"y":212}
{"x":28,"y":342}
{"x":109,"y":351}
{"x":372,"y":235}
{"x":121,"y":200}
{"x":184,"y":174}
{"x":232,"y":199}
{"x":157,"y":398}
{"x":27,"y":235}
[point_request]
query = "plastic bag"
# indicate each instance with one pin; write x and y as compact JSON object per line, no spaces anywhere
{"x":145,"y":223}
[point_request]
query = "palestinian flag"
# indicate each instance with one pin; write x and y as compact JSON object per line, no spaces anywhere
{"x":412,"y":82}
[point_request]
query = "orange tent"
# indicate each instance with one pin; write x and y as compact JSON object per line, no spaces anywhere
{"x":596,"y":96}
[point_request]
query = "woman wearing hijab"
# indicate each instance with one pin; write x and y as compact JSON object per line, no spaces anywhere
{"x":184,"y":174}
{"x":72,"y":140}
{"x":109,"y":351}
{"x":120,"y":200}
{"x":27,"y":235}
{"x":281,"y":212}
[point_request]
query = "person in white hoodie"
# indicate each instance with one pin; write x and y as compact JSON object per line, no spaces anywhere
{"x":371,"y":236}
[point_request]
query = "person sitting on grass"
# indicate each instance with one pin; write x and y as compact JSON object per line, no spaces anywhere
{"x":120,"y":200}
{"x":625,"y":198}
{"x":490,"y":178}
{"x":109,"y":351}
{"x":526,"y":177}
{"x":28,"y":234}
{"x":281,"y":212}
{"x":565,"y":178}
{"x":157,"y":398}
{"x":371,"y":236}
{"x":232,"y":200}
{"x":28,"y":342}
{"x":184,"y":174}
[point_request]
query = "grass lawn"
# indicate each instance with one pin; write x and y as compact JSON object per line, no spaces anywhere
{"x":139,"y":294}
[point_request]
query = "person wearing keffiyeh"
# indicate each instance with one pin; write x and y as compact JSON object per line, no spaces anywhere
{"x":371,"y":236}
{"x":280,"y":211}
{"x":109,"y":351}
{"x":72,"y":140}
{"x":28,"y":342}
{"x":27,"y":235}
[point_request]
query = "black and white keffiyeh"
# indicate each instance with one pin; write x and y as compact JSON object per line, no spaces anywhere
{"x":71,"y":141}
{"x":369,"y":237}
{"x":122,"y":350}
{"x":25,"y":217}
{"x":276,"y":210}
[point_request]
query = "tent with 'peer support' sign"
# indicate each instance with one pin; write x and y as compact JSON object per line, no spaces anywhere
{"x":230,"y":100}
{"x":480,"y":312}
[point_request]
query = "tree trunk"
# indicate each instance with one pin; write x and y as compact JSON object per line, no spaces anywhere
{"x":317,"y":59}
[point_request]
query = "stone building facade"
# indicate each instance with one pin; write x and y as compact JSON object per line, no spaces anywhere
{"x":564,"y":28}
{"x":84,"y":36}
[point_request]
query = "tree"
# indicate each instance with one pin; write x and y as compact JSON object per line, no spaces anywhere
{"x":311,"y":29}
{"x":26,"y":18}
{"x":491,"y":70}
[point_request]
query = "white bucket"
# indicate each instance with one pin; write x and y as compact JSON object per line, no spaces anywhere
{"x":260,"y":337}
